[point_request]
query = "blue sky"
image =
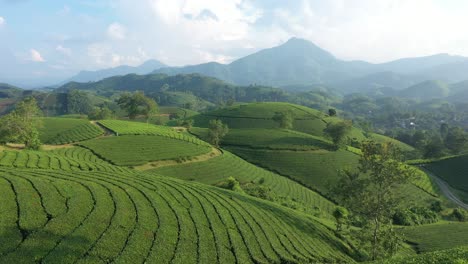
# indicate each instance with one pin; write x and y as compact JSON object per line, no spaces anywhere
{"x":46,"y":41}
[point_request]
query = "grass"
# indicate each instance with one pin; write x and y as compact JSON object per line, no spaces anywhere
{"x":440,"y":236}
{"x":98,"y":217}
{"x":140,"y":149}
{"x":136,"y":128}
{"x":219,"y":168}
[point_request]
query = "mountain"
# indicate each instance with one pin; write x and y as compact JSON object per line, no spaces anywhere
{"x":419,"y":65}
{"x":427,"y":90}
{"x":296,"y":62}
{"x":379,"y":81}
{"x":93,"y":76}
{"x":299,"y":62}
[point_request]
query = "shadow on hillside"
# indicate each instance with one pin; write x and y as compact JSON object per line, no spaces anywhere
{"x":40,"y":246}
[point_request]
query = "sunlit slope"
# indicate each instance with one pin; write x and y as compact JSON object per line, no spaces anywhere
{"x":227,"y":165}
{"x":96,"y":217}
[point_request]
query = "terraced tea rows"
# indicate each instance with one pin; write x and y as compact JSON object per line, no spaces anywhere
{"x":78,"y":154}
{"x":98,"y":217}
{"x":79,"y":133}
{"x":45,"y":160}
{"x":52,"y":126}
{"x":274,"y":139}
{"x":138,"y":150}
{"x":226,"y":165}
{"x":135,"y":128}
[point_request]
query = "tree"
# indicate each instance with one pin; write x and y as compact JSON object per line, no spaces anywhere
{"x":284,"y":119}
{"x":337,"y":131}
{"x":216,"y":131}
{"x":372,"y":194}
{"x":341,"y":217}
{"x":100,"y":113}
{"x":434,"y":148}
{"x":22,"y":124}
{"x":456,"y":139}
{"x":332,"y":112}
{"x":137,"y":104}
{"x":78,"y":102}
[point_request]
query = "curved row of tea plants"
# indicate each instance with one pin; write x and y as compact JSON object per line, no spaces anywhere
{"x":120,"y":127}
{"x":227,"y":165}
{"x":76,"y":134}
{"x":141,"y":149}
{"x":98,"y":217}
{"x":52,"y":161}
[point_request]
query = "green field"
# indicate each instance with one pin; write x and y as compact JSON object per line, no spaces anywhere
{"x":97,"y":217}
{"x":141,"y":149}
{"x":136,"y":128}
{"x":456,"y":255}
{"x":453,"y":170}
{"x":274,"y":139}
{"x":219,"y":168}
{"x":316,"y":169}
{"x":438,"y":236}
{"x":76,"y":159}
{"x":382,"y":138}
{"x":258,"y":115}
{"x":53,"y":126}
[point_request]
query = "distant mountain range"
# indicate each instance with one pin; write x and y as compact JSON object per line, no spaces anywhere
{"x":94,"y":76}
{"x":300,"y":63}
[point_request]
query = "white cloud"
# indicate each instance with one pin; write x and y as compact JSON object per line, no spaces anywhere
{"x":36,"y":56}
{"x":2,"y":21}
{"x":63,"y":50}
{"x":116,"y":31}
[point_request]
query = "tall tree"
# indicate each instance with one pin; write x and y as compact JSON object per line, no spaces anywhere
{"x":22,"y":124}
{"x":137,"y":104}
{"x":216,"y":131}
{"x":372,"y":194}
{"x":284,"y":119}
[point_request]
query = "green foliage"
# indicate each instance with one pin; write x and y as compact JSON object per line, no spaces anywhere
{"x":22,"y":124}
{"x":78,"y":102}
{"x":341,"y":215}
{"x":138,"y":150}
{"x":100,"y":113}
{"x":415,"y":216}
{"x":332,"y":112}
{"x":284,"y":119}
{"x":337,"y":131}
{"x":460,"y":215}
{"x":372,"y":194}
{"x":136,"y":104}
{"x":456,"y":140}
{"x":216,"y":131}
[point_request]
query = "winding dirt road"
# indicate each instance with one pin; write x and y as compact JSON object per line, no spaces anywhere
{"x":445,"y":188}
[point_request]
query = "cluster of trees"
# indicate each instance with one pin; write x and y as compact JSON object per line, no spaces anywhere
{"x":436,"y":143}
{"x":137,"y":104}
{"x":216,"y":131}
{"x":22,"y":124}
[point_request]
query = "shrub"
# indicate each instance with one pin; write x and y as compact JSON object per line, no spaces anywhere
{"x":460,"y":214}
{"x":415,"y":216}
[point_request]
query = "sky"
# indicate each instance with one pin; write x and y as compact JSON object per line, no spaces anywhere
{"x":47,"y":41}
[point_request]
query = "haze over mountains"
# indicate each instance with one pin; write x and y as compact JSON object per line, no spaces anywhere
{"x":299,"y":62}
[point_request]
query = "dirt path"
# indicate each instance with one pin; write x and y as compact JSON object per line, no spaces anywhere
{"x":446,"y":190}
{"x":163,"y":163}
